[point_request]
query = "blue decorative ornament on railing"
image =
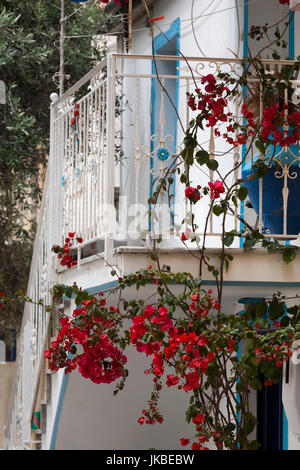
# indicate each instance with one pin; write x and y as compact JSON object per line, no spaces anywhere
{"x":284,"y":173}
{"x":163,"y":154}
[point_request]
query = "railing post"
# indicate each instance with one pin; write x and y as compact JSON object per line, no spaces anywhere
{"x":51,"y":169}
{"x":109,"y":164}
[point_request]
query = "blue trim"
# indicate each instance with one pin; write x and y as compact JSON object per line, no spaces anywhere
{"x":284,"y":422}
{"x":58,"y":411}
{"x":285,"y":431}
{"x":160,"y":41}
{"x":248,"y":300}
{"x":103,"y":287}
{"x":292,"y":36}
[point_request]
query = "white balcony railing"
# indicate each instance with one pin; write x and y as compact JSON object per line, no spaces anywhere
{"x":33,"y":335}
{"x":102,"y":164}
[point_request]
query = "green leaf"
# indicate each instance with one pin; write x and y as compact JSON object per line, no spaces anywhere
{"x":183,"y":178}
{"x":261,"y":147}
{"x":153,"y":255}
{"x":276,"y":309}
{"x":211,"y":369}
{"x":289,"y":254}
{"x":249,"y":243}
{"x":261,"y":308}
{"x":253,"y":445}
{"x":285,"y":321}
{"x":212,"y":164}
{"x":242,"y":193}
{"x":228,"y":240}
{"x":217,"y":210}
{"x":202,"y":157}
{"x":250,"y":423}
{"x":69,"y":292}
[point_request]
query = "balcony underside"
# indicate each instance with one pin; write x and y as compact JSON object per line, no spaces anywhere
{"x":250,"y":272}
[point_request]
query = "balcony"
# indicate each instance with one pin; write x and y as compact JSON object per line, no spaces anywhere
{"x":112,"y":135}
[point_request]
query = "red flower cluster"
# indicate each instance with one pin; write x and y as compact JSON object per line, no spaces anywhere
{"x":154,"y":333}
{"x":117,"y":1}
{"x":193,"y":194}
{"x":276,"y":354}
{"x":216,"y":189}
{"x":1,"y":303}
{"x":151,"y":416}
{"x":212,"y":104}
{"x":273,"y":122}
{"x":64,"y":252}
{"x":101,"y":361}
{"x":170,"y":343}
{"x":213,"y":109}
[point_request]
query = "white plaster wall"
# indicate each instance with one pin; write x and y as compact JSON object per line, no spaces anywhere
{"x":92,"y":418}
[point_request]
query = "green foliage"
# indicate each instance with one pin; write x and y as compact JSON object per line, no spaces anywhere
{"x":29,"y":59}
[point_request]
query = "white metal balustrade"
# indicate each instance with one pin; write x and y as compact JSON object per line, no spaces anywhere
{"x":132,"y":116}
{"x":102,"y":165}
{"x":33,"y":335}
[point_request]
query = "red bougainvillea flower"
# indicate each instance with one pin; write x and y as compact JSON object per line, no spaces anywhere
{"x":216,"y":189}
{"x":192,"y":194}
{"x":183,"y":237}
{"x":119,"y":2}
{"x":196,"y":446}
{"x":63,"y":252}
{"x":186,"y":235}
{"x":213,"y":106}
{"x":184,"y":441}
{"x":199,"y":419}
{"x":172,"y":380}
